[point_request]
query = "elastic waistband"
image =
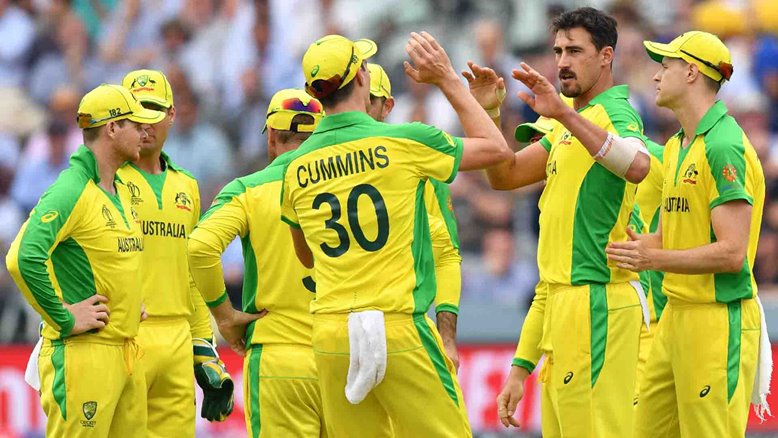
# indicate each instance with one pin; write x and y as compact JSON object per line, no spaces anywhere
{"x":681,"y":304}
{"x":165,"y":320}
{"x":81,"y":339}
{"x":559,"y":287}
{"x":343,"y":317}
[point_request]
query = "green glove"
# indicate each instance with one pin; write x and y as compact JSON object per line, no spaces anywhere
{"x":213,"y":378}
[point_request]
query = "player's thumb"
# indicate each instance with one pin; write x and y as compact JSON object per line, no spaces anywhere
{"x":632,"y":234}
{"x":526,"y":98}
{"x":410,"y":71}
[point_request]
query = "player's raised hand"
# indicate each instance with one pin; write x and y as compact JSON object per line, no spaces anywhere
{"x":429,"y":62}
{"x":91,"y":313}
{"x":512,"y":392}
{"x":487,"y":88}
{"x":546,"y":100}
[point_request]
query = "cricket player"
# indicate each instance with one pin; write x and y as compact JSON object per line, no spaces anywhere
{"x":167,"y":200}
{"x":443,"y":227}
{"x":77,"y":260}
{"x":700,"y":373}
{"x":592,"y":162}
{"x":280,"y":382}
{"x":353,"y":196}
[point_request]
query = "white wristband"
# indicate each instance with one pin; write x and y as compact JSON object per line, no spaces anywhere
{"x":617,"y":154}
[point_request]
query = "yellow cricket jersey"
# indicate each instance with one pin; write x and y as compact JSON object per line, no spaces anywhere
{"x":445,"y":246}
{"x":584,"y":206}
{"x":356,"y":189}
{"x":80,"y":241}
{"x":645,"y":219}
{"x":720,"y":165}
{"x":274,"y":279}
{"x":168,"y":206}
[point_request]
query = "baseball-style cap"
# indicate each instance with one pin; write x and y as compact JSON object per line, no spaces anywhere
{"x":700,"y":48}
{"x":525,"y":131}
{"x":288,"y":103}
{"x":332,"y":61}
{"x":149,"y":86}
{"x":113,"y":102}
{"x":543,"y":125}
{"x":379,"y":81}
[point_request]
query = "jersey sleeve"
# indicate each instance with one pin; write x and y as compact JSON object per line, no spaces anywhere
{"x":200,"y":318}
{"x":29,"y":258}
{"x":434,"y":153}
{"x":288,"y":213}
{"x":225,"y":219}
{"x":625,"y":120}
{"x":448,"y":277}
{"x":726,"y":157}
{"x":528,"y":353}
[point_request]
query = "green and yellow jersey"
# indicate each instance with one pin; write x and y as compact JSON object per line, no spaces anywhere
{"x":584,"y":206}
{"x":168,"y":207}
{"x":645,"y":219}
{"x":80,"y":241}
{"x":720,"y":165}
{"x":445,"y":246}
{"x":356,"y":189}
{"x":274,"y":279}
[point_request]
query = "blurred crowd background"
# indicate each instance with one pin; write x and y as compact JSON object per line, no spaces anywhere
{"x":225,"y":58}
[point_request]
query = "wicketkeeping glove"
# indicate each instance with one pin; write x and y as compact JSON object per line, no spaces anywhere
{"x":213,"y":378}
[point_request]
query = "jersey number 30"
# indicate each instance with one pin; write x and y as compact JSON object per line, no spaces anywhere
{"x":352,"y":210}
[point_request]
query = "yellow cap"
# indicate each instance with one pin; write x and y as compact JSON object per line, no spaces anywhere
{"x":543,"y":125}
{"x":288,"y":103}
{"x":700,"y":48}
{"x":149,"y":86}
{"x":379,"y":81}
{"x":113,"y":102}
{"x":332,"y":62}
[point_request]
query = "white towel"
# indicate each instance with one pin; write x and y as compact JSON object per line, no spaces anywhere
{"x":643,"y":303}
{"x":31,"y":375}
{"x":367,"y":353}
{"x":764,"y":369}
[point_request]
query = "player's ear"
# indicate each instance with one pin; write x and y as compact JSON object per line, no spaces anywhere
{"x":607,"y":55}
{"x":171,"y":112}
{"x":387,"y":108}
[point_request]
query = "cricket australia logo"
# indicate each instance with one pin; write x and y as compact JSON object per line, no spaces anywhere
{"x":109,"y":222}
{"x":690,"y":176}
{"x":89,"y":409}
{"x":566,"y":139}
{"x":183,"y":202}
{"x":143,"y":82}
{"x":135,"y":198}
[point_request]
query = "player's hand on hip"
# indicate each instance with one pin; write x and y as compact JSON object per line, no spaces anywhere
{"x":512,"y":392}
{"x":233,"y":328}
{"x":450,"y":349}
{"x":546,"y":100}
{"x":634,"y":254}
{"x":89,"y":314}
{"x":429,"y":62}
{"x":212,"y":376}
{"x":487,"y":88}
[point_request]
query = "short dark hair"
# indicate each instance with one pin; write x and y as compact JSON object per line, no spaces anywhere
{"x":600,"y":26}
{"x":374,"y":99}
{"x":338,"y":95}
{"x":91,"y":134}
{"x":293,"y":134}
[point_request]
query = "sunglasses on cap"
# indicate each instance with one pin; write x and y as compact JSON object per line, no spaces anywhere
{"x":86,"y":120}
{"x":321,"y":88}
{"x":297,"y":105}
{"x":724,"y":68}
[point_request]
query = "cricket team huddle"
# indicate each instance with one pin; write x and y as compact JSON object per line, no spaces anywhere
{"x":646,"y":313}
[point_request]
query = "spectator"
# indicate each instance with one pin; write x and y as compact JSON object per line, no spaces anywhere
{"x":35,"y":175}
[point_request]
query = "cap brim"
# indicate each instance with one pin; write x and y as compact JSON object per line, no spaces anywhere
{"x":147,"y":116}
{"x":657,"y":51}
{"x":526,"y":131}
{"x":152,"y":99}
{"x":366,"y":47}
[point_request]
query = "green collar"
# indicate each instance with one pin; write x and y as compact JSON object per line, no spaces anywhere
{"x":711,"y":117}
{"x":615,"y":92}
{"x":84,"y":159}
{"x":341,"y":120}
